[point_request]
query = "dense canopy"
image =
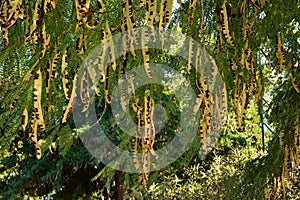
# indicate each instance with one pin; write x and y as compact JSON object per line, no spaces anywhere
{"x":253,"y":45}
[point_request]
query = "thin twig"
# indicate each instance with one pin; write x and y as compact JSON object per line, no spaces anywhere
{"x":103,"y":112}
{"x":201,"y":24}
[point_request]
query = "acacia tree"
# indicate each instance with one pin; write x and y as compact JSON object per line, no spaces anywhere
{"x":45,"y":42}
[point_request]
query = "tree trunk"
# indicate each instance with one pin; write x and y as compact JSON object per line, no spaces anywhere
{"x":119,"y":185}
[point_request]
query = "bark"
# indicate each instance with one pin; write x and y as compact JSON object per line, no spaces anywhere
{"x":119,"y":185}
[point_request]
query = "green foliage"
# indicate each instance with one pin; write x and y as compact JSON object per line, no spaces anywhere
{"x":235,"y":169}
{"x":217,"y":175}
